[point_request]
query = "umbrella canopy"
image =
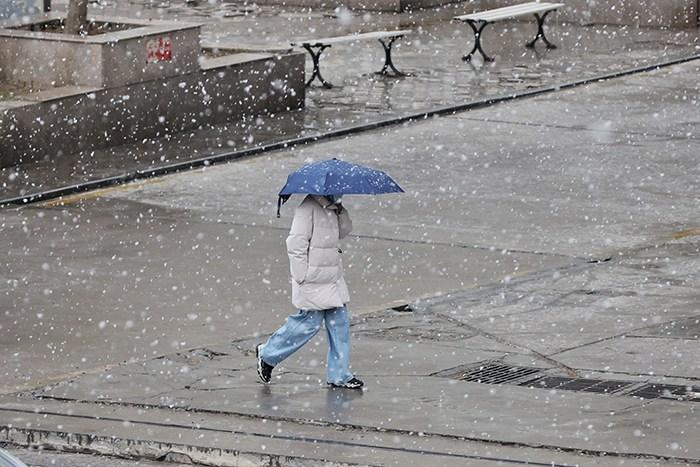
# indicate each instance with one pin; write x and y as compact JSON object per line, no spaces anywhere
{"x":336,"y":177}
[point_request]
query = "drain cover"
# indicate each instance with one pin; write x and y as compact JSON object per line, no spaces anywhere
{"x":497,"y":373}
{"x":667,"y":391}
{"x":600,"y":386}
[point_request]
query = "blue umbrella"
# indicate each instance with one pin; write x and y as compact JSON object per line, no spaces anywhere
{"x":336,"y":177}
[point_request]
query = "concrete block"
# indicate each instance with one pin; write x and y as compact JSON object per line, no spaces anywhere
{"x":147,"y":50}
{"x":92,"y":118}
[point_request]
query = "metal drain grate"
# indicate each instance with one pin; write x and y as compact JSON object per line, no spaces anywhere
{"x":498,"y":373}
{"x":599,"y":386}
{"x":667,"y":391}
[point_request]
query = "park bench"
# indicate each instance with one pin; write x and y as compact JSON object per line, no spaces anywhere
{"x":478,"y":21}
{"x":315,"y":47}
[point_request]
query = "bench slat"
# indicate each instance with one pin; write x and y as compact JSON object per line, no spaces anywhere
{"x":516,"y":9}
{"x":510,"y":11}
{"x":353,"y":37}
{"x":501,"y":15}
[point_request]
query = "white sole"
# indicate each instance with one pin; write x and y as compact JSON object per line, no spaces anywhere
{"x":259,"y":364}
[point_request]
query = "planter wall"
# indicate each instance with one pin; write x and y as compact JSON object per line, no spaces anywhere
{"x":51,"y":59}
{"x":228,"y":88}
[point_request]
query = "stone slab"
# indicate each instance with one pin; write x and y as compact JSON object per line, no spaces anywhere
{"x":152,"y":430}
{"x":539,"y":417}
{"x":228,"y":367}
{"x":246,"y":293}
{"x":652,"y":356}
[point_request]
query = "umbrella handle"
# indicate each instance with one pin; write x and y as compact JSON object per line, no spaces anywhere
{"x":280,"y":201}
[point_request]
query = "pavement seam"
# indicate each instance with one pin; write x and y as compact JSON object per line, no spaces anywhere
{"x":292,"y":142}
{"x":627,"y":334}
{"x":636,"y":336}
{"x":390,"y":239}
{"x":584,"y":128}
{"x":490,"y":289}
{"x":495,"y":288}
{"x":540,"y":356}
{"x":459,"y":245}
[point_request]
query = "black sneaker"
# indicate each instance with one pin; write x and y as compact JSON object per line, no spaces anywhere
{"x":352,"y":384}
{"x":264,"y":370}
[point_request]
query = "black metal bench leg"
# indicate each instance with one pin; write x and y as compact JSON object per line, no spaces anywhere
{"x":315,"y":57}
{"x":387,"y":57}
{"x":540,"y":32}
{"x":478,"y":28}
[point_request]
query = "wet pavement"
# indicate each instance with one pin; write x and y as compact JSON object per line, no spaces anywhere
{"x":556,"y":236}
{"x":48,"y":458}
{"x":432,"y":56}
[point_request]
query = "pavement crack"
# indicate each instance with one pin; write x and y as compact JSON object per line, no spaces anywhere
{"x":628,"y":334}
{"x":396,"y":240}
{"x":645,"y":134}
{"x":627,"y":409}
{"x":641,"y":375}
{"x":193,"y":388}
{"x":565,"y":368}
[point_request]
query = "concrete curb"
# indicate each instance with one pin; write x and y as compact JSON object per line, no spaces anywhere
{"x":81,"y":443}
{"x":118,"y":445}
{"x":289,"y":143}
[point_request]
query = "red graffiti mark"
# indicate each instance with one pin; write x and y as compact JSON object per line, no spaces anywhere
{"x":159,"y":50}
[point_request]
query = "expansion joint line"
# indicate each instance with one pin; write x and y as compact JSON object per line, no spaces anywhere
{"x":498,"y":288}
{"x":540,"y":356}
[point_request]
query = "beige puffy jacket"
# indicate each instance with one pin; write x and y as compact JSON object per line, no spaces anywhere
{"x":314,"y":256}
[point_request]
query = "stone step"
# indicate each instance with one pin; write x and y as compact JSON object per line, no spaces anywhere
{"x":230,"y":440}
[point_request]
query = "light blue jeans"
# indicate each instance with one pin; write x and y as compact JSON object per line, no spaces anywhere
{"x":301,"y":327}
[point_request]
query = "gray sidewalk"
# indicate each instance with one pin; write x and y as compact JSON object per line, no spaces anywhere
{"x":555,"y":237}
{"x":577,"y":319}
{"x":439,"y":78}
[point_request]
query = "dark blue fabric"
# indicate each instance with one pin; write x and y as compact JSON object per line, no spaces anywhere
{"x":336,"y":177}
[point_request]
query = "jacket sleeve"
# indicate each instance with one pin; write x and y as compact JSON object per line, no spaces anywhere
{"x":298,"y":242}
{"x":344,"y":224}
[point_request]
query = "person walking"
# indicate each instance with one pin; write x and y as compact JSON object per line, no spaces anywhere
{"x":319,"y":291}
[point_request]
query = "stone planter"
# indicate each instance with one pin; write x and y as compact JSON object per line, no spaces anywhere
{"x":46,"y":125}
{"x":121,"y":51}
{"x":129,"y":80}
